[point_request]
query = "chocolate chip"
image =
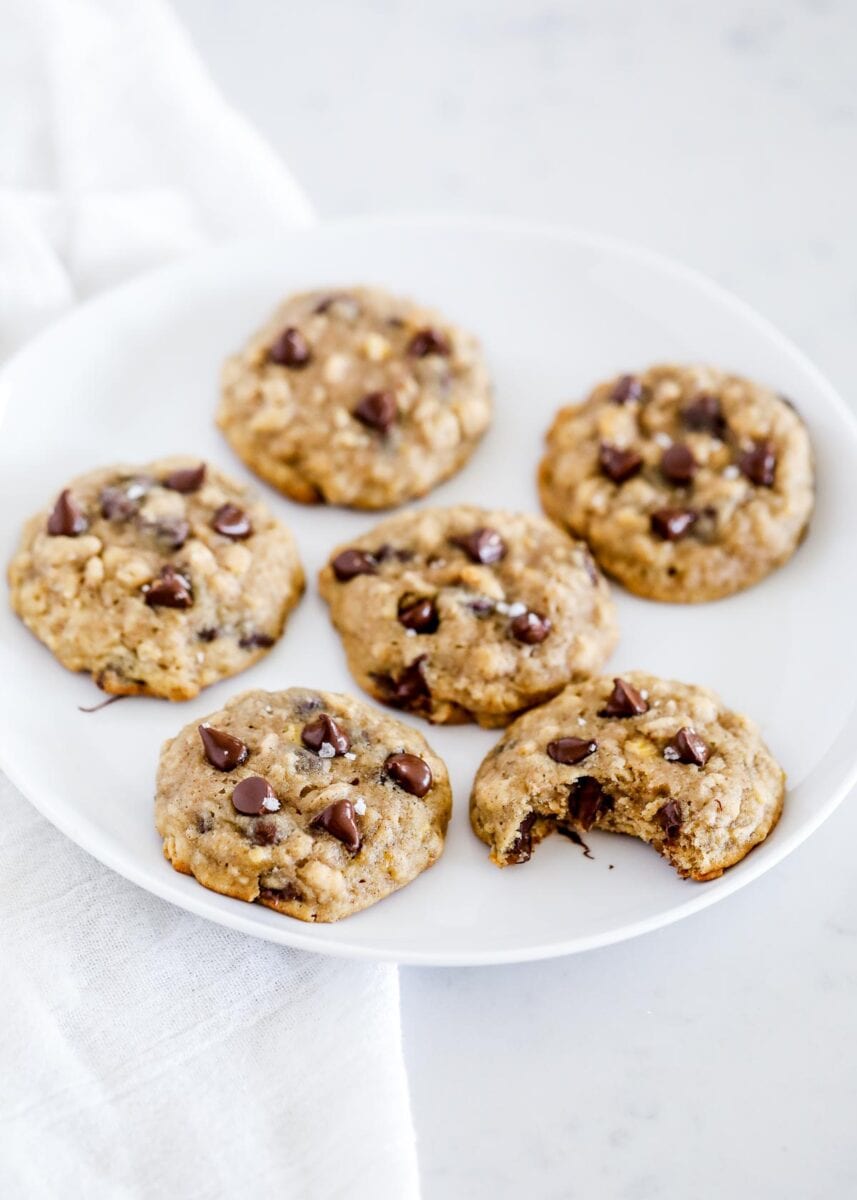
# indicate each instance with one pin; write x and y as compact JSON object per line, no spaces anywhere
{"x":530,"y":628}
{"x":618,"y":464}
{"x":481,"y":607}
{"x":171,"y":589}
{"x":287,"y":891}
{"x":671,"y":524}
{"x":409,"y":689}
{"x":252,"y":641}
{"x":410,"y":772}
{"x":387,"y":552}
{"x":704,"y":414}
{"x":222,"y":749}
{"x":265,"y":833}
{"x":232,"y":522}
{"x":186,"y":479}
{"x":208,"y":635}
{"x":117,"y":505}
{"x":67,"y":519}
{"x":759,"y":463}
{"x":290,"y":349}
{"x":669,"y":819}
{"x":624,"y":701}
{"x":626,"y":389}
{"x":428,"y":341}
{"x":350,"y":563}
{"x":586,"y":801}
{"x":171,"y":532}
{"x":687,"y":747}
{"x":323,"y":730}
{"x":522,"y":847}
{"x":378,"y":410}
{"x":419,"y":614}
{"x":571,"y":750}
{"x":574,"y":836}
{"x":338,"y":820}
{"x":483,"y":545}
{"x":254,"y":795}
{"x":678,"y":464}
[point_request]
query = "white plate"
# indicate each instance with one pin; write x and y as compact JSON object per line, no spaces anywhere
{"x":134,"y":375}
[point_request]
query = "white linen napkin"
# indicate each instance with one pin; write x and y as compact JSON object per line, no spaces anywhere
{"x":145,"y":1052}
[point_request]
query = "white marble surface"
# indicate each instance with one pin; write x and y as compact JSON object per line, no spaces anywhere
{"x":718,"y":1057}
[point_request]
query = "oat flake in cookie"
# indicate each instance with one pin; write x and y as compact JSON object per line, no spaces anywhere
{"x":688,"y":483}
{"x":355,"y":397}
{"x":310,"y":803}
{"x":659,"y":760}
{"x":157,"y":579}
{"x":467,"y":614}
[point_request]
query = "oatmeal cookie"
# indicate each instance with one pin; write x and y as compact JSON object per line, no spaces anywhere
{"x":158,"y":579}
{"x":311,"y":803}
{"x":659,"y":760}
{"x":355,"y":397}
{"x":466,"y":614}
{"x":688,"y":483}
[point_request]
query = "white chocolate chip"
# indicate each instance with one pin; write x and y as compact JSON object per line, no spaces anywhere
{"x":517,"y":609}
{"x":271,"y":804}
{"x":360,"y":806}
{"x":350,"y":755}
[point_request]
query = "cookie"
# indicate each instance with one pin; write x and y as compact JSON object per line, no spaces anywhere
{"x":355,"y":397}
{"x":662,"y":761}
{"x":465,"y":614}
{"x":159,"y":579}
{"x":311,"y":803}
{"x":688,"y":483}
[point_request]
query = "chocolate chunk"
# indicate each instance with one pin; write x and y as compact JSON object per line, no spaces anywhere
{"x":290,"y":349}
{"x":254,"y":795}
{"x":624,"y":701}
{"x":759,"y":463}
{"x":232,"y":522}
{"x":687,"y":747}
{"x":222,"y":749}
{"x":618,"y":464}
{"x":671,"y":524}
{"x":286,"y":891}
{"x":265,"y":833}
{"x":626,"y":389}
{"x":208,"y":635}
{"x":419,"y":614}
{"x":324,"y":731}
{"x":678,"y":464}
{"x":669,"y":819}
{"x":338,"y":820}
{"x":428,"y":341}
{"x":483,"y":545}
{"x":586,"y":801}
{"x":705,"y":415}
{"x":409,"y":689}
{"x":171,"y":532}
{"x":171,"y":589}
{"x":522,"y":847}
{"x":117,"y":505}
{"x":574,"y":836}
{"x":67,"y":519}
{"x":571,"y":750}
{"x":410,"y":772}
{"x":350,"y":563}
{"x":186,"y":479}
{"x":256,"y":640}
{"x":378,"y":410}
{"x":530,"y":628}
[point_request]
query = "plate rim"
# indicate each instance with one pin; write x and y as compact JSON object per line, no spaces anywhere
{"x":292,"y":933}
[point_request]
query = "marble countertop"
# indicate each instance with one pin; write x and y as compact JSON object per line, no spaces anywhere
{"x":716,"y":1057}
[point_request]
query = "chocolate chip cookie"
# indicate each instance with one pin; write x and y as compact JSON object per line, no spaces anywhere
{"x":659,"y":760}
{"x":355,"y":397}
{"x":311,"y":803}
{"x":688,"y":483}
{"x":159,"y":579}
{"x":465,"y":614}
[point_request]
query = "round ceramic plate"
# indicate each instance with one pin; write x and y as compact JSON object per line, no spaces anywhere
{"x":134,"y":375}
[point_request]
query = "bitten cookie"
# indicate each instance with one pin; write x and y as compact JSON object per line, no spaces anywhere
{"x":158,"y":579}
{"x":464,"y":614}
{"x":310,"y":803}
{"x":659,"y":760}
{"x":355,"y":397}
{"x":688,"y":483}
